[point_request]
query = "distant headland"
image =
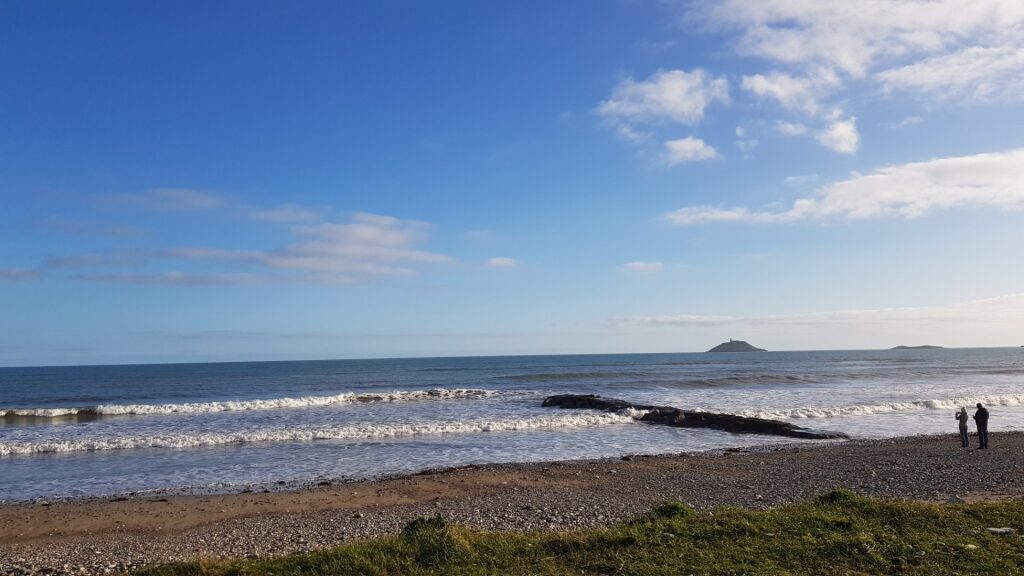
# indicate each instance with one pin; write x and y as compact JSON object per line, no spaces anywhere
{"x":922,"y":347}
{"x":736,"y":346}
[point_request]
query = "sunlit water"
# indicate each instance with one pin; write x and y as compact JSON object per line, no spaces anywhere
{"x":91,"y":431}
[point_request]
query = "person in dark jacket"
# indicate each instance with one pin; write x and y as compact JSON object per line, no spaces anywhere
{"x":981,"y":421}
{"x":961,"y":417}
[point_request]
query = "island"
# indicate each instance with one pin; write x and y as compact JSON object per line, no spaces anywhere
{"x":736,"y":346}
{"x":922,"y":347}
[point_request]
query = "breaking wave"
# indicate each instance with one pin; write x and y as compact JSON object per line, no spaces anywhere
{"x":351,"y":432}
{"x":885,"y":408}
{"x":92,"y":412}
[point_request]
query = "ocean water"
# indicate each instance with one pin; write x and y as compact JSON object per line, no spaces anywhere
{"x":104,"y":430}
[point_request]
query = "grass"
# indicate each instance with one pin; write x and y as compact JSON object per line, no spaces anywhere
{"x":840,"y":533}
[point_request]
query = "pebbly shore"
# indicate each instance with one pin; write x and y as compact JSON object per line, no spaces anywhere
{"x":118,"y":534}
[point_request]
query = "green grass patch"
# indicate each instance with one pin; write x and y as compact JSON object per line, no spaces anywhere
{"x":839,"y":533}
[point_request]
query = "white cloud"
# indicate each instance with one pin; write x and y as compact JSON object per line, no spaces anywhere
{"x":821,"y":53}
{"x":501,"y":262}
{"x":840,"y":135}
{"x":367,"y":247}
{"x":857,"y":36}
{"x":904,"y":191}
{"x":792,"y":93}
{"x":673,"y":95}
{"x":790,"y":128}
{"x":171,"y":200}
{"x":687,"y":150}
{"x":667,"y":96}
{"x":976,"y":73}
{"x":285,"y":213}
{"x":709,"y":214}
{"x":644,"y":267}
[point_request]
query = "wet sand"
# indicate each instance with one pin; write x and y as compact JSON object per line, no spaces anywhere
{"x":111,"y":535}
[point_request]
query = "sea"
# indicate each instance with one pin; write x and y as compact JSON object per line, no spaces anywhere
{"x":100,"y":431}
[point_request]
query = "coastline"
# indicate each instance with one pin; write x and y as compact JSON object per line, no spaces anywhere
{"x":96,"y":535}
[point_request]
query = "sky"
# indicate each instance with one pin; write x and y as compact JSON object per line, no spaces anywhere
{"x":263,"y":180}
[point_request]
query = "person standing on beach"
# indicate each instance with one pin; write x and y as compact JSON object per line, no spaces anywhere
{"x":981,"y":421}
{"x":961,"y":416}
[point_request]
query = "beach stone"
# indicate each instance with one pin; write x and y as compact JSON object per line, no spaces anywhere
{"x":1001,"y":531}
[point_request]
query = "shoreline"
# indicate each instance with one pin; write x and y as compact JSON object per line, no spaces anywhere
{"x":319,"y":482}
{"x":91,"y":536}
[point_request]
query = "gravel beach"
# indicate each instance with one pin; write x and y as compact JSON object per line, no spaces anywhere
{"x":116,"y":534}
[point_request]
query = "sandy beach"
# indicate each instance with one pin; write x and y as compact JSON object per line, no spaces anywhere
{"x":111,"y":535}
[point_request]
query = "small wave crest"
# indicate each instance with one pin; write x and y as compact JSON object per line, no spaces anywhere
{"x":559,"y":376}
{"x":351,"y":432}
{"x":244,"y":405}
{"x":885,"y":408}
{"x":745,"y":379}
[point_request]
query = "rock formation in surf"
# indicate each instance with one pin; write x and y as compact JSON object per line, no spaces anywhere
{"x":671,"y":416}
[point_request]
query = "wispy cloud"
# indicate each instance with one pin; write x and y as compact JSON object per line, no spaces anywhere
{"x":859,"y":37}
{"x":904,"y":191}
{"x":501,"y":262}
{"x":644,"y":267}
{"x":170,"y":200}
{"x":80,"y":227}
{"x":1005,"y":310}
{"x":800,"y":179}
{"x":800,"y":94}
{"x":367,"y":247}
{"x":287,"y":213}
{"x":977,"y":73}
{"x":177,"y":278}
{"x":790,"y":128}
{"x":19,"y":275}
{"x":363,"y":248}
{"x":908,"y":121}
{"x":98,"y":260}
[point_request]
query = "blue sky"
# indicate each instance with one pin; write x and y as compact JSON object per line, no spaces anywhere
{"x":197,"y":181}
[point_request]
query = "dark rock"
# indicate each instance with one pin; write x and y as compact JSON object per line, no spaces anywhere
{"x":670,"y":416}
{"x":590,"y":401}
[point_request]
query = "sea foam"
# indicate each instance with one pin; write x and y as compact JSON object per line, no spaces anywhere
{"x":244,"y":405}
{"x":298,"y":434}
{"x":886,"y":408}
